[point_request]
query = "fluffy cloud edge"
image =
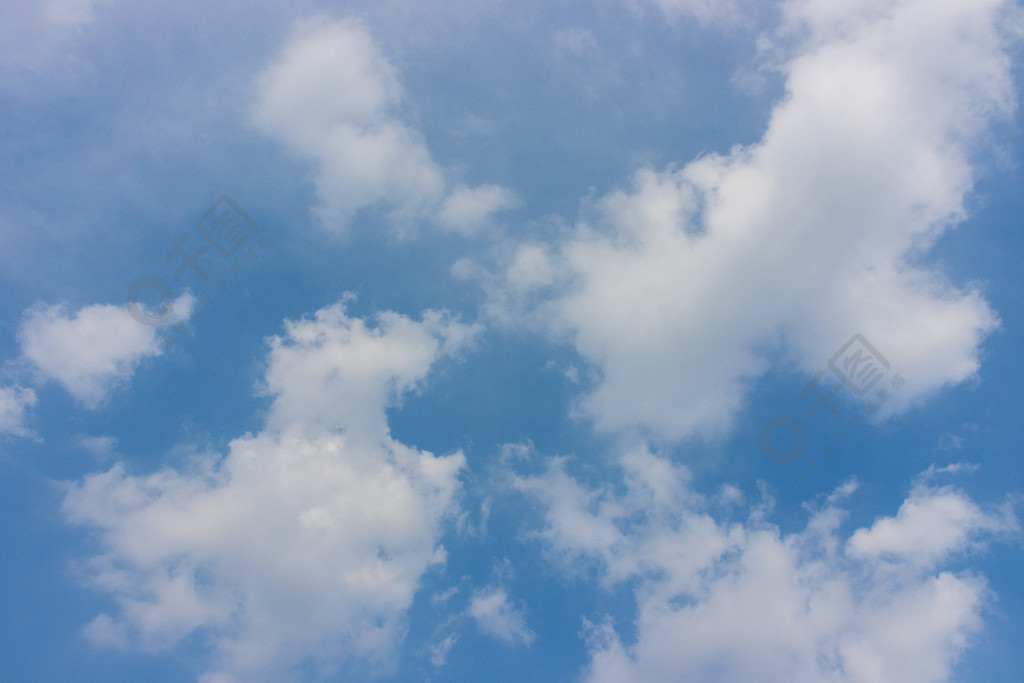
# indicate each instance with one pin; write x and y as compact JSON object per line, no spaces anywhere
{"x":683,"y":288}
{"x":307,"y":541}
{"x":333,"y":98}
{"x":721,"y":598}
{"x":95,"y":350}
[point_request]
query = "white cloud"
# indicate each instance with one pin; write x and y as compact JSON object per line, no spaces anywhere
{"x":307,"y":541}
{"x":334,"y":372}
{"x":93,"y":351}
{"x":496,"y":617}
{"x":333,"y":98}
{"x":733,"y":600}
{"x":681,"y":288}
{"x":952,"y":468}
{"x":950,"y":442}
{"x":929,"y":524}
{"x":531,"y":268}
{"x":14,"y":401}
{"x":467,"y":209}
{"x":100,"y":446}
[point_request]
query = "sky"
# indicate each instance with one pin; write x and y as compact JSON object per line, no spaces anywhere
{"x":630,"y":340}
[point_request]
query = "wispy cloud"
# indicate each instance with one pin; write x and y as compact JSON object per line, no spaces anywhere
{"x":14,"y":402}
{"x":498,"y":618}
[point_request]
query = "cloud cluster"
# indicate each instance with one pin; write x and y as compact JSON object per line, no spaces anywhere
{"x":307,"y":541}
{"x":332,"y":98}
{"x":93,"y":351}
{"x":732,"y":599}
{"x":303,"y":545}
{"x":681,"y":289}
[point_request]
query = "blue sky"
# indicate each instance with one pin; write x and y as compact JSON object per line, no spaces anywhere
{"x":468,"y":341}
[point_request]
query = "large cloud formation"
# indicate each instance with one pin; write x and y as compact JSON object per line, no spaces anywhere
{"x":681,"y":289}
{"x":307,"y":541}
{"x":721,"y":597}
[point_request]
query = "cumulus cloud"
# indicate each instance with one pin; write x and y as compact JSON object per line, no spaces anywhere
{"x":929,"y":523}
{"x":332,"y":98}
{"x":726,"y":599}
{"x":683,"y":287}
{"x":14,"y":400}
{"x":333,"y":372}
{"x":93,"y":351}
{"x":305,"y":542}
{"x":496,"y":617}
